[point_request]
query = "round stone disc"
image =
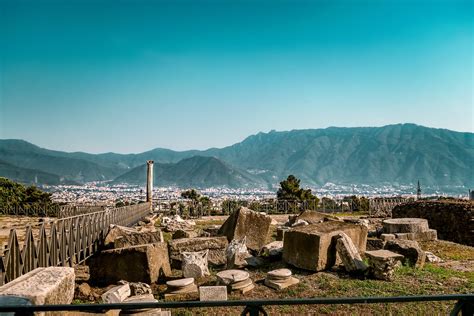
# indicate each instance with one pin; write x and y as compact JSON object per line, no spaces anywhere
{"x":280,"y":273}
{"x":180,"y":282}
{"x":240,"y":285}
{"x":232,"y":276}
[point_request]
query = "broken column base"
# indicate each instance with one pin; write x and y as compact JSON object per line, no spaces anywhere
{"x":382,"y":263}
{"x":281,"y":285}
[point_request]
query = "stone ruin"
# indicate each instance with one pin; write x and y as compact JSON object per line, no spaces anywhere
{"x":313,"y":247}
{"x":194,"y":264}
{"x":137,"y":257}
{"x":236,"y":280}
{"x":247,"y":223}
{"x":453,"y":220}
{"x":408,"y":228}
{"x":280,"y":279}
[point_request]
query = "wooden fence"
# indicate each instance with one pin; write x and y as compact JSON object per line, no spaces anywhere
{"x":64,"y":242}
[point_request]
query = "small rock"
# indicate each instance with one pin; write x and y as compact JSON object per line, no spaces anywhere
{"x":140,"y":288}
{"x":117,"y":294}
{"x":180,"y":233}
{"x":432,"y":258}
{"x":300,"y":222}
{"x":254,"y":262}
{"x":273,"y":249}
{"x":84,"y":290}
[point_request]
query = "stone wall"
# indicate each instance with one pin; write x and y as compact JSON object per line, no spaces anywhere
{"x":454,"y":221}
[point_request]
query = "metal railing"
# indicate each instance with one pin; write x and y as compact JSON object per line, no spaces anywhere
{"x":377,"y":206}
{"x":64,"y":242}
{"x":48,"y":210}
{"x":464,"y":304}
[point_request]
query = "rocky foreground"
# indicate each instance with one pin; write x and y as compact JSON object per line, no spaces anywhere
{"x":252,"y":255}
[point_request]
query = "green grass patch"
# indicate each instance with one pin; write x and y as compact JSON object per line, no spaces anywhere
{"x":447,"y":250}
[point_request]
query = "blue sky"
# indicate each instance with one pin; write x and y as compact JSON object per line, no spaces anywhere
{"x":128,"y":76}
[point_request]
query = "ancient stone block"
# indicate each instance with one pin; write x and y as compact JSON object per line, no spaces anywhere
{"x":213,"y":293}
{"x":185,"y":234}
{"x":414,"y":255}
{"x":43,"y":286}
{"x":121,"y":237}
{"x":117,"y":294}
{"x":247,"y":223}
{"x":375,"y":243}
{"x":216,"y":246}
{"x":82,"y":273}
{"x":145,"y":298}
{"x":145,"y":263}
{"x":228,"y":277}
{"x":432,"y":258}
{"x":386,"y":237}
{"x":349,"y":254}
{"x":181,"y":287}
{"x":281,"y":233}
{"x":280,"y":279}
{"x":382,"y":263}
{"x":430,"y":234}
{"x":405,"y":236}
{"x":138,"y":288}
{"x":237,"y":253}
{"x":212,"y":230}
{"x":273,"y":249}
{"x":451,"y":219}
{"x":312,"y":217}
{"x":236,"y":280}
{"x":405,"y":225}
{"x":313,"y":247}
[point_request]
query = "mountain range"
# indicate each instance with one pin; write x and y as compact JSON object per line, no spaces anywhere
{"x":397,"y":154}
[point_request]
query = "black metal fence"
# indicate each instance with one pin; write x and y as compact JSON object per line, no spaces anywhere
{"x":48,"y":210}
{"x":190,"y":208}
{"x":464,"y":304}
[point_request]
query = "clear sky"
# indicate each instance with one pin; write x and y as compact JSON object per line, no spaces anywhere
{"x":129,"y":76}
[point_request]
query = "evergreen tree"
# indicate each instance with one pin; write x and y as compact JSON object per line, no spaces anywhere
{"x":290,"y":191}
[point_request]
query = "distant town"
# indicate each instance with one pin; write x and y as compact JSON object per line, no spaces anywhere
{"x":102,"y":193}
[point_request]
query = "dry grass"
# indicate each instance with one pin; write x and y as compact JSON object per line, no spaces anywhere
{"x":432,"y":279}
{"x":408,"y":281}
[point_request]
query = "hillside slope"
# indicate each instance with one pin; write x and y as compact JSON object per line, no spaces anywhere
{"x":197,"y":172}
{"x":396,"y":154}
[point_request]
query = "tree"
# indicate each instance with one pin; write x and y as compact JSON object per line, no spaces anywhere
{"x":329,"y":204}
{"x":190,"y":194}
{"x":230,"y":206}
{"x":290,"y":191}
{"x":357,"y":204}
{"x":15,"y":194}
{"x":199,"y":205}
{"x":204,"y":205}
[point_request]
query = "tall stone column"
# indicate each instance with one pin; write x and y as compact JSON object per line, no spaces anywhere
{"x":149,"y":181}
